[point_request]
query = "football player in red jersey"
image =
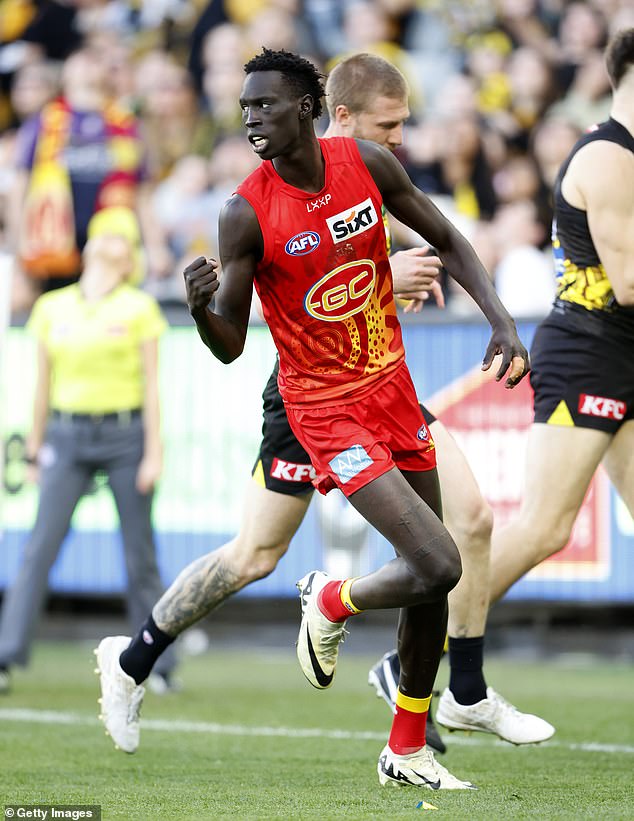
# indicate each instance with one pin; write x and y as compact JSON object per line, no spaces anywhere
{"x":347,"y":390}
{"x":376,"y":110}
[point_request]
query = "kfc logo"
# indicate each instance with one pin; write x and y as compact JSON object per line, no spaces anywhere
{"x":291,"y":472}
{"x":601,"y":406}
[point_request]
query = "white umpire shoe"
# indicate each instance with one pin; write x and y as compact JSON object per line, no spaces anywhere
{"x":121,"y":696}
{"x":420,"y":769}
{"x":493,"y":715}
{"x":319,"y":638}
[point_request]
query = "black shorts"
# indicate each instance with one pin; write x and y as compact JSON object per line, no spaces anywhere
{"x":581,"y":379}
{"x":282,"y":464}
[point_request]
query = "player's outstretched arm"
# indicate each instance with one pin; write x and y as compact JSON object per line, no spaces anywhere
{"x":412,"y":207}
{"x":223,"y":329}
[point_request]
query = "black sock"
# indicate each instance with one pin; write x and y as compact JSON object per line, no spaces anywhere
{"x":140,"y":656}
{"x":466,"y":679}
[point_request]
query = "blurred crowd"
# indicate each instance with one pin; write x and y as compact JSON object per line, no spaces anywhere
{"x":117,"y":107}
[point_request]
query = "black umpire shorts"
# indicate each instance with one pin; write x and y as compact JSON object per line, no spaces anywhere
{"x":282,"y":464}
{"x":581,"y":379}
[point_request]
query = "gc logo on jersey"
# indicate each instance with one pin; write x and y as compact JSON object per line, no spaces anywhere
{"x":354,"y":221}
{"x":342,"y":292}
{"x":302,"y":243}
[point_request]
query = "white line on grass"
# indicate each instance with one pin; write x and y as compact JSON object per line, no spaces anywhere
{"x":211,"y":728}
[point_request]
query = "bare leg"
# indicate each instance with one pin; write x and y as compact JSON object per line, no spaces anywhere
{"x":270,"y":521}
{"x":619,"y":464}
{"x":559,"y":466}
{"x":427,"y":567}
{"x":469,"y":519}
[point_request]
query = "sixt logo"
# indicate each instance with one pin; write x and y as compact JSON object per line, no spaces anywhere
{"x":302,"y":243}
{"x":342,"y":292}
{"x":601,"y":406}
{"x":355,"y":221}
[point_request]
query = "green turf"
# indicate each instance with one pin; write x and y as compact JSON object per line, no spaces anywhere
{"x":250,"y":772}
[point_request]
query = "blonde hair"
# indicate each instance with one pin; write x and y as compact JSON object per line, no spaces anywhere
{"x":121,"y":221}
{"x":360,"y":79}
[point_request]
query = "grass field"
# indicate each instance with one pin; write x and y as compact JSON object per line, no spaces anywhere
{"x":249,"y":738}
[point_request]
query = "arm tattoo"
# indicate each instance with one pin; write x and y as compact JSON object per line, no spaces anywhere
{"x":201,"y":587}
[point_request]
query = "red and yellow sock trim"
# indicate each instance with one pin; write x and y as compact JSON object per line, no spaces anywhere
{"x":412,"y":705}
{"x":344,"y":595}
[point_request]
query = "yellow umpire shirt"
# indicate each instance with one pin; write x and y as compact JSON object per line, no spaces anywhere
{"x":95,"y":347}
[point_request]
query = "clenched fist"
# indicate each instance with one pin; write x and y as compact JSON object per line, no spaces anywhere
{"x":201,"y":282}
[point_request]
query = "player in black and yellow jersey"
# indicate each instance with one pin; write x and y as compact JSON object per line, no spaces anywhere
{"x":583,"y":352}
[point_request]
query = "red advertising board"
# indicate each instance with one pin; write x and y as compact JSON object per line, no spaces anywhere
{"x":491,"y":425}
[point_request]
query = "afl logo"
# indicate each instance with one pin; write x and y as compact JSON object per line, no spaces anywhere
{"x":343,"y":292}
{"x":302,"y":244}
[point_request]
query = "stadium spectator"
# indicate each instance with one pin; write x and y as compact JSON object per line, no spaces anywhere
{"x":553,"y":59}
{"x":587,"y":100}
{"x":369,"y":27}
{"x":168,"y":110}
{"x":458,"y":168}
{"x":518,"y":236}
{"x":528,"y":23}
{"x":582,"y":29}
{"x":118,"y":57}
{"x":96,"y":407}
{"x":531,"y":89}
{"x":80,"y":154}
{"x":551,"y":141}
{"x":273,"y":24}
{"x":223,"y":54}
{"x":33,"y":86}
{"x":213,"y":15}
{"x":223,"y":44}
{"x":188,"y":203}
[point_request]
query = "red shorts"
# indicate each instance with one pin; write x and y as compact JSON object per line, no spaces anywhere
{"x":352,"y":444}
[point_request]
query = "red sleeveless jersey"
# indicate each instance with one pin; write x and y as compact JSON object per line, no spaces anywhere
{"x":324,"y":279}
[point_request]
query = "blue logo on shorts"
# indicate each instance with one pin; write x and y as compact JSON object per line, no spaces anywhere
{"x":350,"y":462}
{"x":423,"y":433}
